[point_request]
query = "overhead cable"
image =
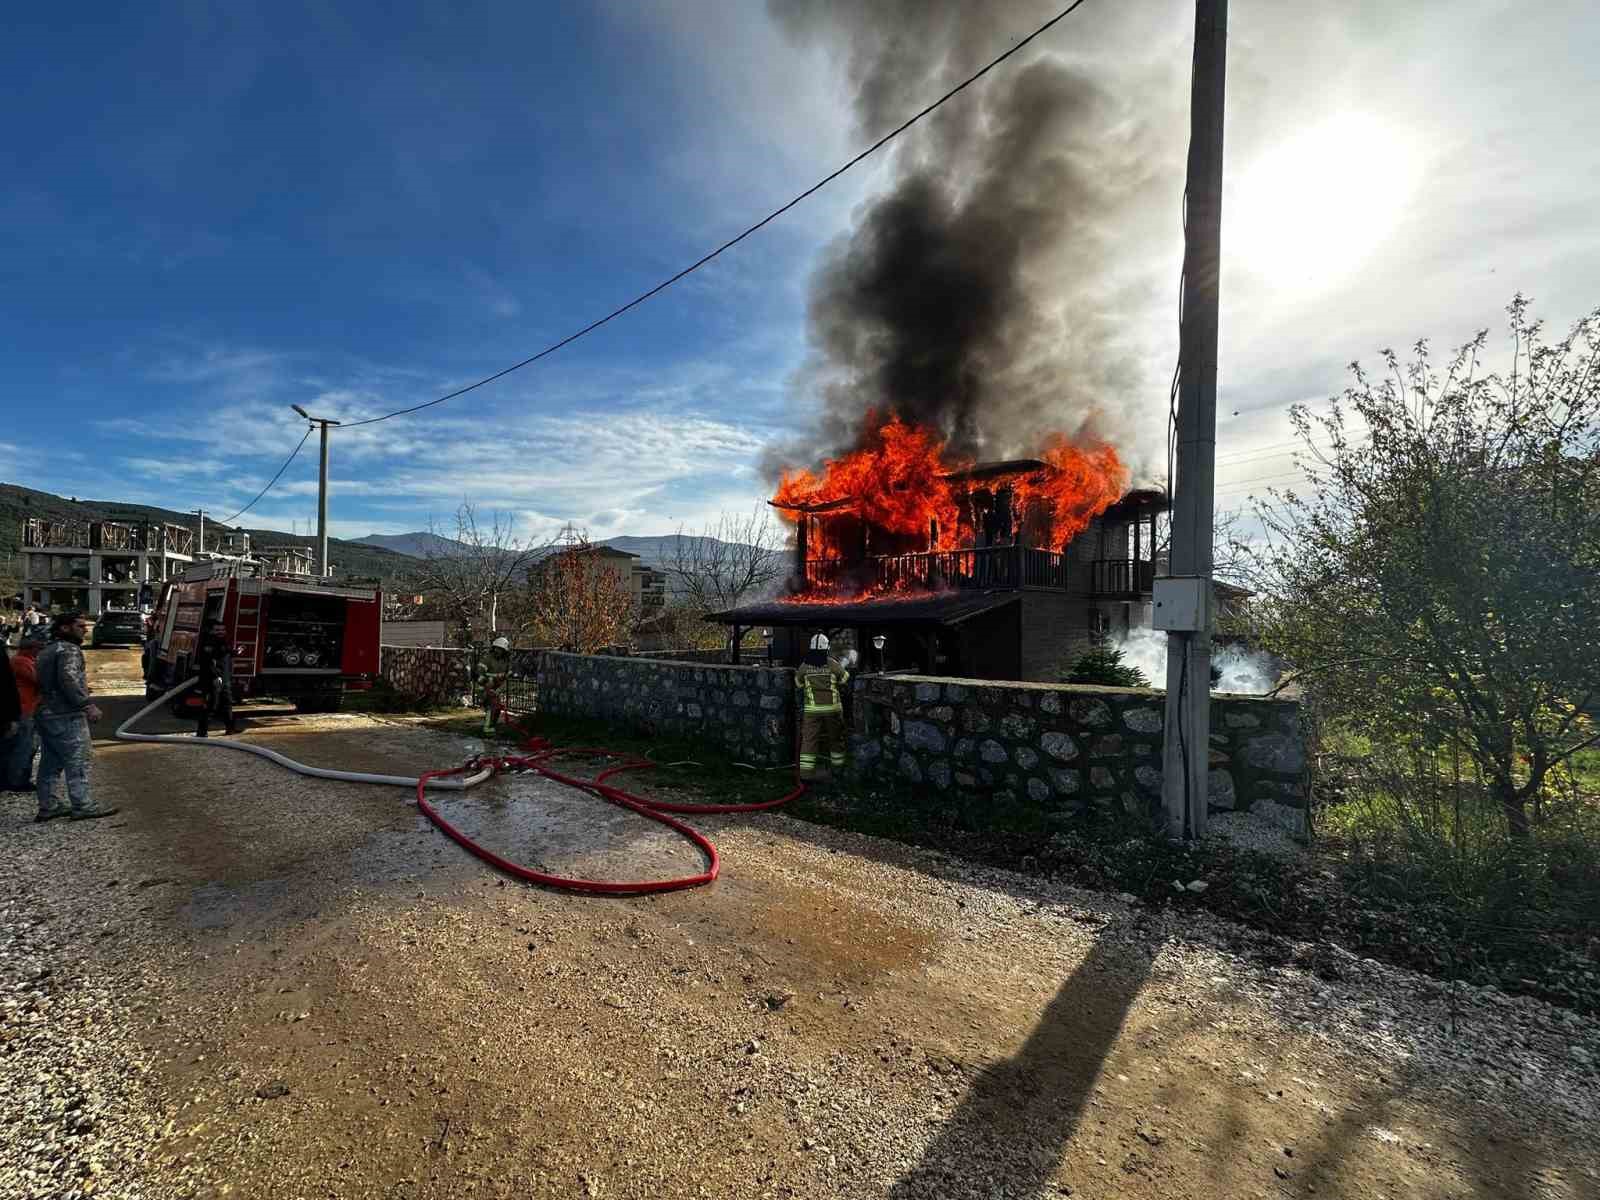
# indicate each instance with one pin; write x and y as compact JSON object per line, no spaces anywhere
{"x":292,"y":454}
{"x":733,"y":241}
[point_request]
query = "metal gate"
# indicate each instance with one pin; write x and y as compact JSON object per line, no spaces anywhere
{"x":521,"y":692}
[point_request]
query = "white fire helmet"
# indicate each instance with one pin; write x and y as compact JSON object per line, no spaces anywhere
{"x":501,"y":643}
{"x":820,"y":642}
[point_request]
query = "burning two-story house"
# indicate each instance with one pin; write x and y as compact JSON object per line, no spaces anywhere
{"x":1001,"y":570}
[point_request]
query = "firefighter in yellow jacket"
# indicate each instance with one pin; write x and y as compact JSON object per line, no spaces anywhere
{"x":820,"y":683}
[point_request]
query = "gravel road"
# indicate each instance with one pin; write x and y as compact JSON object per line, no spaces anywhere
{"x":254,"y":984}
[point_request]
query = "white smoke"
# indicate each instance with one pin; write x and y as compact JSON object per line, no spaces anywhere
{"x":1244,"y":672}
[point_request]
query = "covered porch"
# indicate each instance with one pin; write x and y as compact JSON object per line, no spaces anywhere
{"x":975,"y":634}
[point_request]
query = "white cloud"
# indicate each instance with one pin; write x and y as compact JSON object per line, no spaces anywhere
{"x":628,"y":450}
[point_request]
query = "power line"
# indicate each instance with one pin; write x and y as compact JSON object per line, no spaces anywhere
{"x":270,"y":482}
{"x":1245,"y":486}
{"x":732,"y":242}
{"x":1263,"y":452}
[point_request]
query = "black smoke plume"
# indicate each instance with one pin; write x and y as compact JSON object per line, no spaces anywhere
{"x":972,"y":296}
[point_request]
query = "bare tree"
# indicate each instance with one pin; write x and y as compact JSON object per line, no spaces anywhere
{"x":1232,"y":560}
{"x":578,"y":598}
{"x":471,"y":576}
{"x":733,"y":558}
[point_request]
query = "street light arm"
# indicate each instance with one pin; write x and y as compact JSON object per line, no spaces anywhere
{"x":314,"y":420}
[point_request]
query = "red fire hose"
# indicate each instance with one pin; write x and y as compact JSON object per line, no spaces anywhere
{"x":537,"y":760}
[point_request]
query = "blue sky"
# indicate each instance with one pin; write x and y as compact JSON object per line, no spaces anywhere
{"x":214,"y":211}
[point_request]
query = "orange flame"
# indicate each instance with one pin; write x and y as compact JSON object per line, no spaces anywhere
{"x":898,"y":497}
{"x":1082,"y":484}
{"x":896,"y":481}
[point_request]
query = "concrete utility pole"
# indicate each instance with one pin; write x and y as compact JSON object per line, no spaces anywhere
{"x":1188,"y":717}
{"x":322,"y":490}
{"x":201,"y":547}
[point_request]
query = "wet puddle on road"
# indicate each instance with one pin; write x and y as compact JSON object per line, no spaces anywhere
{"x":530,"y":821}
{"x":559,"y":830}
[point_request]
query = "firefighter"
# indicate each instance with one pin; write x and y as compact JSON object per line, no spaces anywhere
{"x":213,"y":662}
{"x":494,"y":668}
{"x":820,"y":684}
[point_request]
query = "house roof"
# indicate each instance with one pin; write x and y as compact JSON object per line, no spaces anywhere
{"x":1134,"y":503}
{"x":943,"y":608}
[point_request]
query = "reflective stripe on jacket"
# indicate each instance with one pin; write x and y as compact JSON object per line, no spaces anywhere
{"x":819,"y":687}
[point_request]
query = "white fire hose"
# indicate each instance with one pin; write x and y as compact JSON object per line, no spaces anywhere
{"x":452,"y":783}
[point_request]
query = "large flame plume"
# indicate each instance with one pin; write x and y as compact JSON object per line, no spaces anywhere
{"x":906,"y":486}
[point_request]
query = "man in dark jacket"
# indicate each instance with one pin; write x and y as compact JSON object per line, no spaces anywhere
{"x":213,"y":662}
{"x":62,"y":720}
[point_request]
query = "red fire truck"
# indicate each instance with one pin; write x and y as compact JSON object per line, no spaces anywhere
{"x":300,"y":637}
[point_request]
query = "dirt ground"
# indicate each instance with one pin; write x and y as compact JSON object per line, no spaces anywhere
{"x":318,"y":995}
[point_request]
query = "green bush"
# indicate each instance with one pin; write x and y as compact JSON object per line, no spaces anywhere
{"x":1424,"y":825}
{"x":1104,"y":666}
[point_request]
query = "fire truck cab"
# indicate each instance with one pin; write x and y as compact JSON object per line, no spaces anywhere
{"x":303,"y":638}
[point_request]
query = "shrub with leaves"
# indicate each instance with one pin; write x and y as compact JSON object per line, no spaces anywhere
{"x":1438,"y":589}
{"x":1104,"y":666}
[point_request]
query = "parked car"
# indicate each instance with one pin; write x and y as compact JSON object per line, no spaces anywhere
{"x":118,"y":628}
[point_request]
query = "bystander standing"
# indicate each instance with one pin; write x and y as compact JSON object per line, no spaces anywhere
{"x":64,"y":714}
{"x":16,"y":752}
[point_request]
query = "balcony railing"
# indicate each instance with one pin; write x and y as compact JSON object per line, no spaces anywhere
{"x":1121,"y":577}
{"x":978,"y":567}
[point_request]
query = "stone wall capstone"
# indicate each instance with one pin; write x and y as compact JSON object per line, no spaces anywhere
{"x":1068,"y":747}
{"x":433,"y":675}
{"x":717,"y":656}
{"x":748,"y":712}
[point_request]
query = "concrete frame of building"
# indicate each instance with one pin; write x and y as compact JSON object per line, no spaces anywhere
{"x":106,"y":578}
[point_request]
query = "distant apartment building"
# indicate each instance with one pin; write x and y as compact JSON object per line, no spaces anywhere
{"x":96,"y":565}
{"x":275,"y":560}
{"x":646,"y":586}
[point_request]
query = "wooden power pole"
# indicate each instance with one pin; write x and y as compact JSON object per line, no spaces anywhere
{"x":1188,"y":716}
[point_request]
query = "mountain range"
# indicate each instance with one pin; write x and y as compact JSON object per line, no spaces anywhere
{"x":652,"y":551}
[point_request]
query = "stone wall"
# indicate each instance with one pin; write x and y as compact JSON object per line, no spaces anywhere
{"x":1066,"y":747}
{"x":433,"y":675}
{"x":748,"y":712}
{"x":719,"y":655}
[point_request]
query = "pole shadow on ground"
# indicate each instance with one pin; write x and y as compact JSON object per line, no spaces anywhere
{"x":1014,"y":1125}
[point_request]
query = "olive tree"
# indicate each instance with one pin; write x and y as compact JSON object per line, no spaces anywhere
{"x":1438,"y":586}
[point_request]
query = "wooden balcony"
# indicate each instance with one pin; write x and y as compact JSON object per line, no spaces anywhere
{"x":983,"y":568}
{"x":1121,"y":578}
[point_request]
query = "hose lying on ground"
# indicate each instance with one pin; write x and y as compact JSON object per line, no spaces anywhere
{"x":283,"y":760}
{"x":537,"y":760}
